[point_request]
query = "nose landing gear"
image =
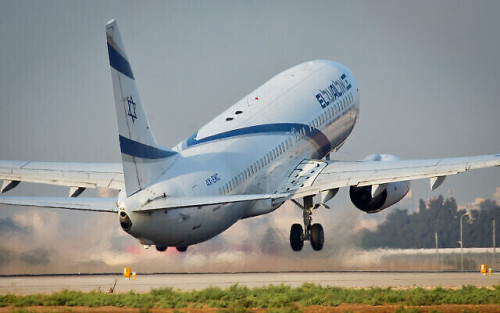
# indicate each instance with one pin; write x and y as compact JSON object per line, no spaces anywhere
{"x":312,"y":232}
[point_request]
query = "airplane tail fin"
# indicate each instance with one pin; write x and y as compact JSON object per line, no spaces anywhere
{"x":143,"y":159}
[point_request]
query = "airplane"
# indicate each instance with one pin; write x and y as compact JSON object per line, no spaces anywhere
{"x":272,"y":146}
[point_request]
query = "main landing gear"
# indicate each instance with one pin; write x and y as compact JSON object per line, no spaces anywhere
{"x":312,"y":232}
{"x":161,"y":248}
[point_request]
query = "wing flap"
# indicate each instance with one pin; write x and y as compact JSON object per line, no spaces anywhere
{"x":85,"y":175}
{"x":338,"y":174}
{"x":80,"y":204}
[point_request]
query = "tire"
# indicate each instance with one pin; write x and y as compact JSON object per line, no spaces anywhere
{"x":161,"y":248}
{"x":296,"y":241}
{"x":317,"y":237}
{"x":182,"y":249}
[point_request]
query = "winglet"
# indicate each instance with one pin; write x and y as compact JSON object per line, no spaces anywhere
{"x":143,"y":160}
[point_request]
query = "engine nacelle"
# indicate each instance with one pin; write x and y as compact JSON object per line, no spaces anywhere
{"x":362,"y":197}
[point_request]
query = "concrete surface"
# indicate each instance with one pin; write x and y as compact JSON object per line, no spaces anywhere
{"x":146,"y":282}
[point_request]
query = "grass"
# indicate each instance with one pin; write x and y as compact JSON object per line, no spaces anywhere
{"x":279,"y":298}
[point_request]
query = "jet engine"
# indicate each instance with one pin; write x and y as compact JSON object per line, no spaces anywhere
{"x":372,"y":199}
{"x":362,"y":197}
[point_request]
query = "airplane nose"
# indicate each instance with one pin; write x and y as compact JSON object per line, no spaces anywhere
{"x":125,"y":221}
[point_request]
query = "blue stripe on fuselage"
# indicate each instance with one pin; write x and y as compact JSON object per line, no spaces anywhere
{"x":137,"y":149}
{"x":119,"y":63}
{"x":316,"y":135}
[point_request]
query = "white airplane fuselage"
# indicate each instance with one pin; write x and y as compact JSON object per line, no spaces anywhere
{"x":302,"y":113}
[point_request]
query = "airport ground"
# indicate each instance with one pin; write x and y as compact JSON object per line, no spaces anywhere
{"x":342,"y":308}
{"x":146,"y":282}
{"x":24,"y":285}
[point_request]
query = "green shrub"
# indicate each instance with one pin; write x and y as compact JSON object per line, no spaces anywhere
{"x":237,"y":298}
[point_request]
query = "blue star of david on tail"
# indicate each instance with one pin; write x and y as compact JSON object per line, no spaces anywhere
{"x":131,"y":109}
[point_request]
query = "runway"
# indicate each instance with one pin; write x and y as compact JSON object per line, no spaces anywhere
{"x":146,"y":282}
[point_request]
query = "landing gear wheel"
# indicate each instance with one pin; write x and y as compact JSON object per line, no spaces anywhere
{"x":296,"y":240}
{"x":161,"y":248}
{"x":182,"y":249}
{"x":317,"y":237}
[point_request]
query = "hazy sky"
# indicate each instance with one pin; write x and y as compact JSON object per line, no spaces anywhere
{"x":428,"y":73}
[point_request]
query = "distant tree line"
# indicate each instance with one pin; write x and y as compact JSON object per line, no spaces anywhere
{"x":417,"y":230}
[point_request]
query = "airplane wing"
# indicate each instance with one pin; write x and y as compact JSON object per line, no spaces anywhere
{"x":312,"y":177}
{"x":79,"y":204}
{"x":75,"y":175}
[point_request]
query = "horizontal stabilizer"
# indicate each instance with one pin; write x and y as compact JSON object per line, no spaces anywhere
{"x":184,"y":202}
{"x":81,"y":204}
